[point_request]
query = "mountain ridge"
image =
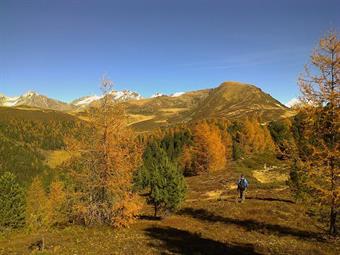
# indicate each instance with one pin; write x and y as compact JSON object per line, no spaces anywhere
{"x":34,"y":99}
{"x":125,"y":95}
{"x":230,"y":100}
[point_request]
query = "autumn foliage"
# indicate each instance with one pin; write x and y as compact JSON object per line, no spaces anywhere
{"x":36,"y":206}
{"x":46,"y":209}
{"x":207,"y":153}
{"x":320,"y":88}
{"x":103,"y":171}
{"x":255,"y":137}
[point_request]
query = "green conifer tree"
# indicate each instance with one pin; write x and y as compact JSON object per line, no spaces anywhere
{"x":12,"y":202}
{"x":162,"y":178}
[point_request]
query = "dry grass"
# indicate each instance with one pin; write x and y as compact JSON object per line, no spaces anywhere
{"x":56,"y":158}
{"x":211,"y":221}
{"x":173,"y":110}
{"x":270,"y":176}
{"x":135,"y":118}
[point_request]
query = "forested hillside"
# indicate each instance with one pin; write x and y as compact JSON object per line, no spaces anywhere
{"x":26,"y":135}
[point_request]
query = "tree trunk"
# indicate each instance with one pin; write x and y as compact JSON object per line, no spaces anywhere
{"x":332,"y":226}
{"x":333,"y":214}
{"x":156,"y":209}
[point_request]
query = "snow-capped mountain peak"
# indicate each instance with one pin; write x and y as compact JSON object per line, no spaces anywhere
{"x":117,"y":95}
{"x":293,"y":102}
{"x":158,"y":95}
{"x":30,"y":93}
{"x":86,"y":100}
{"x":8,"y":101}
{"x":123,"y":95}
{"x":34,"y":99}
{"x":176,"y":94}
{"x":14,"y":101}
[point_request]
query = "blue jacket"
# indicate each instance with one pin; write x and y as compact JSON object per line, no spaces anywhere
{"x":245,"y":183}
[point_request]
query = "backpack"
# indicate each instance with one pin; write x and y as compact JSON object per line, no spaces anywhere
{"x":242,"y":184}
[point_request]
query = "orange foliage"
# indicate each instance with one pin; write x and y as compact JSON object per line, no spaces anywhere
{"x":320,"y":88}
{"x":107,"y":162}
{"x":255,"y":137}
{"x":207,"y":153}
{"x":56,"y":204}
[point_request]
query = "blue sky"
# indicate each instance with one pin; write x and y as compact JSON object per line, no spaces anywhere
{"x":62,"y":48}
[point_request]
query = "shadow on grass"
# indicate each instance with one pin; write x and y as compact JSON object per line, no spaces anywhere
{"x":203,"y":214}
{"x":149,"y":217}
{"x":184,"y":242}
{"x":271,"y":199}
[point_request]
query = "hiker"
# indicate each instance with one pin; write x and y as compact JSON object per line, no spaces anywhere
{"x":242,"y":185}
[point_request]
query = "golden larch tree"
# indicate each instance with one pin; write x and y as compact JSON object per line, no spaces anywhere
{"x":207,"y":153}
{"x":228,"y":145}
{"x":57,"y":204}
{"x":36,"y":206}
{"x":320,"y":89}
{"x":103,"y":171}
{"x":255,"y":137}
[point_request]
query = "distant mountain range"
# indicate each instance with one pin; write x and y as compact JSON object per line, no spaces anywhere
{"x":230,"y":100}
{"x":158,"y":94}
{"x":34,"y":99}
{"x":121,"y":96}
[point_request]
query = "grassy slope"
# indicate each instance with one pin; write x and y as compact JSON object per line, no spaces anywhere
{"x":209,"y":222}
{"x":230,"y":100}
{"x":235,"y":100}
{"x":56,"y":158}
{"x":152,"y":113}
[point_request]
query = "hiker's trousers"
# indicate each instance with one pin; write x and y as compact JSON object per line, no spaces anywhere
{"x":242,"y":194}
